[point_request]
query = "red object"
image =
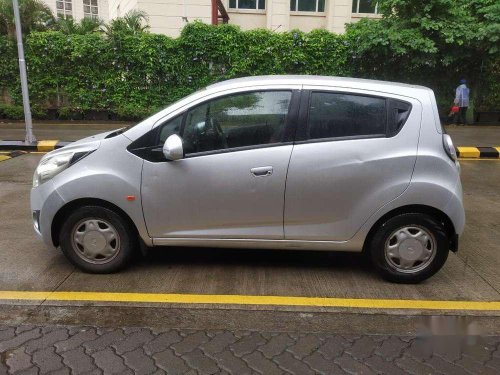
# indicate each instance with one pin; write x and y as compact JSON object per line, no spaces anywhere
{"x":219,"y":12}
{"x":131,"y":198}
{"x":455,"y":109}
{"x":215,"y":15}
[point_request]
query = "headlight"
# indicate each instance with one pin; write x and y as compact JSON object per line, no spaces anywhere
{"x":53,"y":165}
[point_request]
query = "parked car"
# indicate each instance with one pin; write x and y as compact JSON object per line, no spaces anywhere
{"x":278,"y":162}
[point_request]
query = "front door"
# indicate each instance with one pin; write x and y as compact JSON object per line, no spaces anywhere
{"x":231,"y":182}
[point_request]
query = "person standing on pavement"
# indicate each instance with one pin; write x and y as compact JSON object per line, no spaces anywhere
{"x":462,"y":101}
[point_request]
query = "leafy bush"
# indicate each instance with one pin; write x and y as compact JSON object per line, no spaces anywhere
{"x":13,"y":112}
{"x":132,"y":74}
{"x":433,"y":44}
{"x":131,"y":112}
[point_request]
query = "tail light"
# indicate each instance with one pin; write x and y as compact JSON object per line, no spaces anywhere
{"x":449,"y":147}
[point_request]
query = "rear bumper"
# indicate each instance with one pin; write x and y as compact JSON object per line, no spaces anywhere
{"x":454,"y":243}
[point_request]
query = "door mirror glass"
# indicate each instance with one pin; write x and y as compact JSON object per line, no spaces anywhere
{"x":172,"y":148}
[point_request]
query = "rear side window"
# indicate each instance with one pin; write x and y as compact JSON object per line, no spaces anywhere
{"x":397,"y":114}
{"x":333,"y":115}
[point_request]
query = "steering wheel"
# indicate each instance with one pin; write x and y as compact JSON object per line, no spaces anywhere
{"x":216,"y":128}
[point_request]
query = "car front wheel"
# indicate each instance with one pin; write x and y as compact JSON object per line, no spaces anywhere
{"x":409,"y":248}
{"x":97,"y":240}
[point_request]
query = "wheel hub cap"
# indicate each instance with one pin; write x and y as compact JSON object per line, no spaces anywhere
{"x":95,"y":240}
{"x":410,"y":249}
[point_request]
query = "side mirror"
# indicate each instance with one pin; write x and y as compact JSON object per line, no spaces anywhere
{"x":172,"y":149}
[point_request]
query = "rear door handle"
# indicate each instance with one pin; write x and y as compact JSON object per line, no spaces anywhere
{"x":262,"y":171}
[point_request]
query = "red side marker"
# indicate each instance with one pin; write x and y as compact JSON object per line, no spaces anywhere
{"x":131,"y":198}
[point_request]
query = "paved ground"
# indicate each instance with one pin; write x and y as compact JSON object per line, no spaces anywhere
{"x":471,"y":274}
{"x":480,"y":135}
{"x":28,"y":349}
{"x":42,"y":336}
{"x":70,"y":131}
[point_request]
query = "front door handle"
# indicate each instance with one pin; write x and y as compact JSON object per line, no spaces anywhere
{"x":262,"y":171}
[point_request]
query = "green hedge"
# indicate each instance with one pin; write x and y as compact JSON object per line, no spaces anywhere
{"x":131,"y":76}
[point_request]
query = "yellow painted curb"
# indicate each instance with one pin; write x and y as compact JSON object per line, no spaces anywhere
{"x":48,"y":145}
{"x":469,"y":152}
{"x":4,"y":157}
{"x":218,"y":299}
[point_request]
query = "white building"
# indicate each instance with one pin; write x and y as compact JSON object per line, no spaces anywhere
{"x":169,"y":16}
{"x":79,"y":9}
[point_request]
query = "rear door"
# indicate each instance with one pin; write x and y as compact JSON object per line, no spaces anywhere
{"x":354,"y":152}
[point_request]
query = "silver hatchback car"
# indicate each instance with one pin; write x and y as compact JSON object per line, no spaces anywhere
{"x":278,"y":162}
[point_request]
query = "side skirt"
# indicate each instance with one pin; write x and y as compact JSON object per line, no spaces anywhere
{"x":259,"y":244}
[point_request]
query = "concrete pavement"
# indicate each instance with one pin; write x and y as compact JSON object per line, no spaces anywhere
{"x":71,"y":131}
{"x":471,"y":274}
{"x":52,"y":336}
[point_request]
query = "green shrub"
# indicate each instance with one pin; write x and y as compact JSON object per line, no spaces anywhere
{"x":38,"y":112}
{"x":131,"y":112}
{"x":131,"y":75}
{"x":12,"y":112}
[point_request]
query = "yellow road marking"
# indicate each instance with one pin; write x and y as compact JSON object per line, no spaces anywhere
{"x":47,"y":145}
{"x":479,"y":159}
{"x":469,"y":152}
{"x":220,"y":299}
{"x":4,"y":157}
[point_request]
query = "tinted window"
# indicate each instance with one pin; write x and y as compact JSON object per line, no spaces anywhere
{"x":397,"y":115}
{"x":343,"y":115}
{"x":240,"y":120}
{"x":171,"y":127}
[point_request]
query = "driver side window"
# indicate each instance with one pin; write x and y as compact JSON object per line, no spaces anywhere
{"x":171,"y":127}
{"x":239,"y":120}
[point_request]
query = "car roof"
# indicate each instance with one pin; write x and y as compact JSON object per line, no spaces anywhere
{"x":355,"y":83}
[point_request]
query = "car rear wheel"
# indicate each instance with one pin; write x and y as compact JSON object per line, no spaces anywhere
{"x":409,"y":248}
{"x":97,"y":240}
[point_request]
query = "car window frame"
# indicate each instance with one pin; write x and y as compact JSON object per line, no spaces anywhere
{"x":289,"y":127}
{"x":303,"y":117}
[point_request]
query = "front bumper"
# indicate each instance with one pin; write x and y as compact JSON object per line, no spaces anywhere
{"x":45,"y":203}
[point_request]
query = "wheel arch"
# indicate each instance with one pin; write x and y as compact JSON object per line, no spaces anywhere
{"x":65,"y":210}
{"x":419,"y":209}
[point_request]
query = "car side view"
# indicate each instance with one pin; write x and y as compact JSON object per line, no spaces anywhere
{"x":276,"y":162}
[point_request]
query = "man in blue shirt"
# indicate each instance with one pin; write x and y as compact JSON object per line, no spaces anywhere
{"x":462,"y":100}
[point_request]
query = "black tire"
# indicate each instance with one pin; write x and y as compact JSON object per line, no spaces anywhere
{"x":381,"y":236}
{"x":125,"y":246}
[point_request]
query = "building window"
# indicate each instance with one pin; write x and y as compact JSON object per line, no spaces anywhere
{"x":64,"y":8}
{"x":307,"y":5}
{"x":247,"y":4}
{"x":365,"y":6}
{"x":90,"y":9}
